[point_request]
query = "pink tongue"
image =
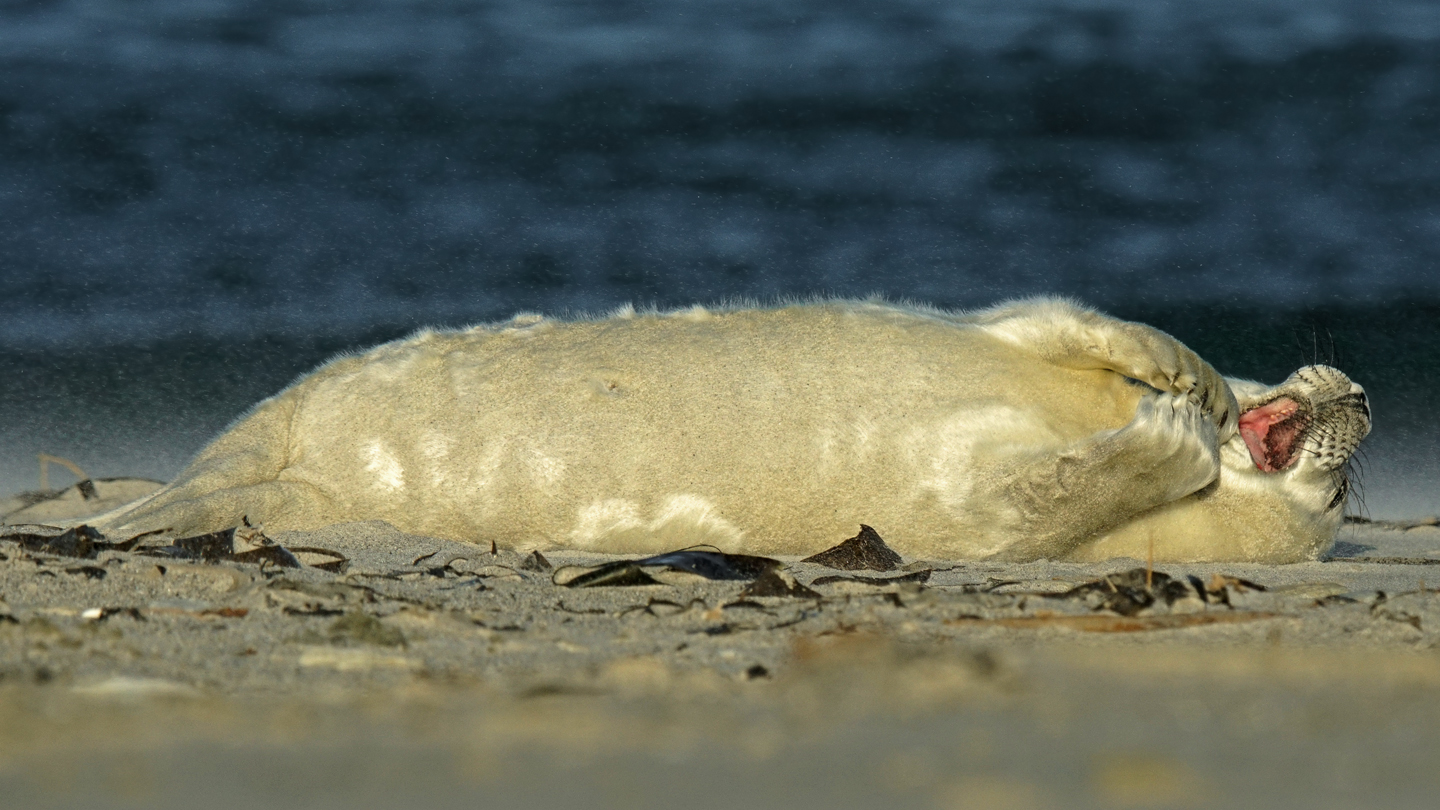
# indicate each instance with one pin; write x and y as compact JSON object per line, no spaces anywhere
{"x":1255,"y":427}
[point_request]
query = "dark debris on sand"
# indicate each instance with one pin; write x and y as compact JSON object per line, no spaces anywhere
{"x":712,"y":565}
{"x":865,"y":551}
{"x":360,"y":604}
{"x":84,"y":542}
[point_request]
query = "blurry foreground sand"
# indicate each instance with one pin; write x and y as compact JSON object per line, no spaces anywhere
{"x":437,"y":674}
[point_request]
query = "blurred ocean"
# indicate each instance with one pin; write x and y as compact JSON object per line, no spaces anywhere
{"x":201,"y":198}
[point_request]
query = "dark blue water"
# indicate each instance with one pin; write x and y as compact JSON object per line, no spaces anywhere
{"x":201,"y":198}
{"x":255,"y":167}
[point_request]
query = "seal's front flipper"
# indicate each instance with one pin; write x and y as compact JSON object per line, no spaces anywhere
{"x":1168,"y":451}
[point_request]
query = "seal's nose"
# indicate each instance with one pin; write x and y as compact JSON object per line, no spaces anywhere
{"x":1364,"y":401}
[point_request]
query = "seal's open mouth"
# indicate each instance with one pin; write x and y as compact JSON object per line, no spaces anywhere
{"x":1272,"y":432}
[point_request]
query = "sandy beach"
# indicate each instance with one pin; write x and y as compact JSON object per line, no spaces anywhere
{"x":389,"y":669}
{"x":203,"y":202}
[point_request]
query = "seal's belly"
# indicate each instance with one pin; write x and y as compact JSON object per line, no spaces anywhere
{"x":772,"y":427}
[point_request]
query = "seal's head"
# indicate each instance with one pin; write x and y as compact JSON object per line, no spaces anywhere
{"x":1300,"y":435}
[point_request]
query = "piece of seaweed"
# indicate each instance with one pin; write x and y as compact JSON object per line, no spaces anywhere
{"x":335,"y":566}
{"x":865,"y":551}
{"x":1094,"y":623}
{"x":81,"y":542}
{"x":536,"y":562}
{"x":776,"y":582}
{"x":219,"y":546}
{"x":1128,"y":592}
{"x":715,"y":565}
{"x":209,"y":548}
{"x":621,"y":573}
{"x":917,"y":576}
{"x":667,"y":608}
{"x":86,"y":543}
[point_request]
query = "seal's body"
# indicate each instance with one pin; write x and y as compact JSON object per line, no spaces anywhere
{"x":1034,"y":429}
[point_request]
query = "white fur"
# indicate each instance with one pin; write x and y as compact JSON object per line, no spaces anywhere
{"x":1014,"y":432}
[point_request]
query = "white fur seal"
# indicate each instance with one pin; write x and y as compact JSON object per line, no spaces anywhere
{"x":1034,"y":429}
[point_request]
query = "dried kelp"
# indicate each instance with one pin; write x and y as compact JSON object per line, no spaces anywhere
{"x":714,"y":564}
{"x":221,"y":547}
{"x":1217,"y":591}
{"x":337,"y":565}
{"x":536,"y":562}
{"x":1129,"y":592}
{"x":621,"y":573}
{"x":916,"y":576}
{"x":865,"y":551}
{"x":453,"y":566}
{"x":746,"y":604}
{"x":208,"y":548}
{"x":659,"y":608}
{"x":1223,"y":581}
{"x":708,"y":564}
{"x":86,"y":543}
{"x":778,"y":582}
{"x":1115,"y":624}
{"x":289,"y":610}
{"x":81,"y":542}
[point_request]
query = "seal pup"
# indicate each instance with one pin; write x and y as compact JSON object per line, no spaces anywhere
{"x":1034,"y":429}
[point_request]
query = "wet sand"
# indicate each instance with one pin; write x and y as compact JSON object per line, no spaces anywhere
{"x":434,"y":673}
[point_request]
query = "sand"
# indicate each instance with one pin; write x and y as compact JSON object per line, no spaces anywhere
{"x":435,"y":673}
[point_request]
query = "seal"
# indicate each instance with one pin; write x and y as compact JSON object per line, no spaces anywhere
{"x":1034,"y":429}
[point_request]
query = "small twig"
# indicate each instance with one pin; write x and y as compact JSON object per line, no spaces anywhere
{"x":46,"y":460}
{"x":1150,"y":563}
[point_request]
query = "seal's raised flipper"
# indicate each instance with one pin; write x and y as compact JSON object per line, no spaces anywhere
{"x":1072,"y":336}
